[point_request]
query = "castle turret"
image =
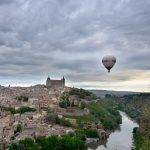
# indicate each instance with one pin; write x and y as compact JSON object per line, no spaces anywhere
{"x":48,"y":82}
{"x":63,"y":81}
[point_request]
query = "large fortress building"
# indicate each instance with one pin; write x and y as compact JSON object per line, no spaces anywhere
{"x":55,"y":83}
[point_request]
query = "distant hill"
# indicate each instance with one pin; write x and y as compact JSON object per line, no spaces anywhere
{"x":102,"y":93}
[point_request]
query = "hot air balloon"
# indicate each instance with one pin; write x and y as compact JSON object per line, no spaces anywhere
{"x":109,"y":61}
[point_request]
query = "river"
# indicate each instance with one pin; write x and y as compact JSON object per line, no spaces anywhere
{"x":120,"y":139}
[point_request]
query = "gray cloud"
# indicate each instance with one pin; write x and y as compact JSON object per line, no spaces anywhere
{"x":2,"y":2}
{"x":67,"y":37}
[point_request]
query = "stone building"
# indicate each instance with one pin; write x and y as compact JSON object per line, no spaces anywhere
{"x":55,"y":83}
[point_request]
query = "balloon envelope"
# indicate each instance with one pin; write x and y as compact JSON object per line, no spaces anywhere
{"x":109,"y":61}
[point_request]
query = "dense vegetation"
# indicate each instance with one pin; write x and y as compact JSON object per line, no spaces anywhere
{"x":142,"y":135}
{"x":80,"y":93}
{"x":109,"y":116}
{"x":100,"y":111}
{"x":134,"y":104}
{"x":72,"y":141}
{"x":83,"y":94}
{"x":141,"y":142}
{"x":19,"y":128}
{"x":64,"y":101}
{"x":54,"y":119}
{"x":67,"y":142}
{"x":21,"y":110}
{"x":89,"y":133}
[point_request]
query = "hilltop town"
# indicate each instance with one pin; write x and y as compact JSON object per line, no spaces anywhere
{"x":34,"y":98}
{"x":54,"y":110}
{"x":44,"y":110}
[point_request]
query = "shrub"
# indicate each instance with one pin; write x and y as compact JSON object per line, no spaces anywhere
{"x":18,"y":128}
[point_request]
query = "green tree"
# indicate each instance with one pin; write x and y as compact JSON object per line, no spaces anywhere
{"x":52,"y":118}
{"x":24,"y":109}
{"x":66,"y":142}
{"x":19,"y":128}
{"x":29,"y":144}
{"x":10,"y":109}
{"x":64,"y":122}
{"x":64,"y":101}
{"x":91,"y":133}
{"x":83,"y":105}
{"x":145,"y":119}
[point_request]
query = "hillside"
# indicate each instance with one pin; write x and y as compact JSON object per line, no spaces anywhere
{"x":102,"y":93}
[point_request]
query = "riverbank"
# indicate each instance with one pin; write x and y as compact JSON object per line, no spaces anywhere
{"x":120,"y":139}
{"x":141,"y":142}
{"x":137,"y":106}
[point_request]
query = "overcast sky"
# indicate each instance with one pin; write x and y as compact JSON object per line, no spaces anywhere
{"x":69,"y":38}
